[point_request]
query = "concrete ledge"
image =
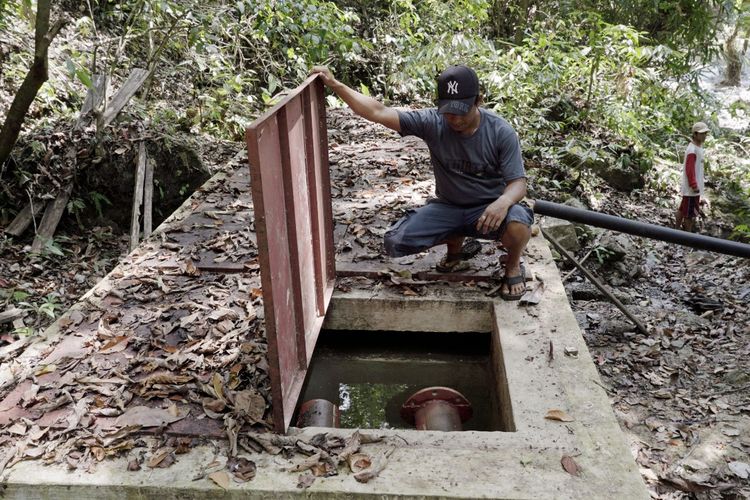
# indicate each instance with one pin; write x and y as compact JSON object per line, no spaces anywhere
{"x":364,"y":310}
{"x":521,"y":464}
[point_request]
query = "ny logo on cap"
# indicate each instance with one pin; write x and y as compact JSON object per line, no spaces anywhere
{"x":453,"y":87}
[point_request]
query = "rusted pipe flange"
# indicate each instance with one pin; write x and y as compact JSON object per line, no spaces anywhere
{"x":318,"y":413}
{"x":437,"y":408}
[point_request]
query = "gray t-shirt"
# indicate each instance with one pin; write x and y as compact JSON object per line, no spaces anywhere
{"x":473,"y":170}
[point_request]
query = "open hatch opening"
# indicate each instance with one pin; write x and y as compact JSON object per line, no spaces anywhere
{"x":369,"y":375}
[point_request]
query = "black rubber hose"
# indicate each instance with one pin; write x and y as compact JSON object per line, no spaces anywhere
{"x":644,"y":229}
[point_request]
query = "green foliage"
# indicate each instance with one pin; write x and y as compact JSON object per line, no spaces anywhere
{"x":4,"y":12}
{"x":602,"y":254}
{"x":47,"y":307}
{"x":364,"y":405}
{"x":684,"y":30}
{"x":606,"y":80}
{"x":99,"y":200}
{"x":52,"y":248}
{"x":729,"y":176}
{"x":742,"y":231}
{"x":251,"y":51}
{"x":76,"y":206}
{"x":414,"y":41}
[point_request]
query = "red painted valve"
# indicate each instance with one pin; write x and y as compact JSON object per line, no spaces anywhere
{"x":437,"y":409}
{"x":318,"y":413}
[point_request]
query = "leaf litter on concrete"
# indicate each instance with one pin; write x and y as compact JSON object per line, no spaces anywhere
{"x":189,"y":344}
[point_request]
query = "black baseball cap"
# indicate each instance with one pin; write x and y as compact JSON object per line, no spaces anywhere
{"x":458,"y":88}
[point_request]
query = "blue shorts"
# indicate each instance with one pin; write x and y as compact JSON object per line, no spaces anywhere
{"x":432,"y":224}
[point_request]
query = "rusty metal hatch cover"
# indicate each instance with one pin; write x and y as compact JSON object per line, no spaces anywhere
{"x":291,"y":189}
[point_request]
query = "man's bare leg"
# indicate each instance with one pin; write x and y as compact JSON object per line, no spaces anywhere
{"x":455,"y":258}
{"x":455,"y":245}
{"x":678,"y":218}
{"x":515,"y":238}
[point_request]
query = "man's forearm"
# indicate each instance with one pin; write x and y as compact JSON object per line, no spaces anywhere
{"x":364,"y":106}
{"x":514,"y":192}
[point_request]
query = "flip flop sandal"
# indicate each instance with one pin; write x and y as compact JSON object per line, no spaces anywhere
{"x":469,"y":249}
{"x":451,"y":266}
{"x":457,"y":262}
{"x":514,"y":280}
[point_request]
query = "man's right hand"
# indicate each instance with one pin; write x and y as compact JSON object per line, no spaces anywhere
{"x":365,"y":106}
{"x":325,"y":73}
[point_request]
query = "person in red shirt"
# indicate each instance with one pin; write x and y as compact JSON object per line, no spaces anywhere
{"x":692,"y":185}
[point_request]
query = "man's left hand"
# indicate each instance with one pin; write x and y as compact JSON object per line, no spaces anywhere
{"x":493,"y":216}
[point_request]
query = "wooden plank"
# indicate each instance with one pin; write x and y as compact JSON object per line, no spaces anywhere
{"x":24,"y":218}
{"x":127,"y":91}
{"x":94,"y":97}
{"x":148,"y":199}
{"x":51,"y":219}
{"x":10,"y":315}
{"x":135,"y":227}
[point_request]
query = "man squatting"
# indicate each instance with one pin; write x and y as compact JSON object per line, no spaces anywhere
{"x":479,"y":176}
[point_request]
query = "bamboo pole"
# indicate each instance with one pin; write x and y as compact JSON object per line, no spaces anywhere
{"x":148,"y":198}
{"x":596,"y":282}
{"x":135,"y":227}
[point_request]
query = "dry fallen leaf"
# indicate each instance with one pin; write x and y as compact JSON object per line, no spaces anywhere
{"x":190,"y":269}
{"x":378,"y":464}
{"x":218,"y":385}
{"x":98,"y":453}
{"x":19,"y":428}
{"x":213,"y":407}
{"x":45,"y":369}
{"x":558,"y":415}
{"x":739,"y":469}
{"x":533,"y":296}
{"x":223,"y":312}
{"x":183,"y":445}
{"x":165,"y":378}
{"x":221,"y":478}
{"x":351,"y":447}
{"x":359,"y":462}
{"x":242,"y":468}
{"x":250,"y":404}
{"x":305,"y":481}
{"x":147,"y":417}
{"x":570,"y":465}
{"x":161,"y":458}
{"x":306,"y":464}
{"x":116,"y":344}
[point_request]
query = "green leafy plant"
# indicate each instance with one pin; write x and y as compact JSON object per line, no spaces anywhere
{"x":76,"y":206}
{"x":48,"y":307}
{"x":602,"y":254}
{"x":52,"y":248}
{"x":99,"y":200}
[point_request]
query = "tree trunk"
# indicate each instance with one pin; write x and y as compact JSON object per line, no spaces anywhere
{"x":35,"y":78}
{"x":733,"y":71}
{"x":523,"y":19}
